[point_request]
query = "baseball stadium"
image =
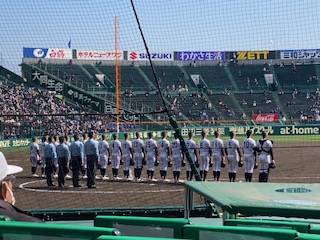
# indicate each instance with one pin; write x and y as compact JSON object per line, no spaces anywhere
{"x":145,"y":119}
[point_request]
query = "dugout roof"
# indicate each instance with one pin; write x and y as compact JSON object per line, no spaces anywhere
{"x":265,"y":199}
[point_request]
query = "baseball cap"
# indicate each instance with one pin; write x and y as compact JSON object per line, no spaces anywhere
{"x":6,"y":169}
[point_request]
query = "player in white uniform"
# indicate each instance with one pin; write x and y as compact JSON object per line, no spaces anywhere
{"x":127,"y":153}
{"x":55,"y":167}
{"x":266,"y":160}
{"x":104,"y":156}
{"x":232,"y":150}
{"x":205,"y":155}
{"x":192,"y":148}
{"x":42,"y":160}
{"x":217,"y":155}
{"x":249,"y":155}
{"x":164,"y":155}
{"x":116,"y":153}
{"x":177,"y":158}
{"x":151,"y":152}
{"x":138,"y":156}
{"x":34,"y":156}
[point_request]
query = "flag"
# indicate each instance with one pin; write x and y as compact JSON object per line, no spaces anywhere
{"x":69,"y":43}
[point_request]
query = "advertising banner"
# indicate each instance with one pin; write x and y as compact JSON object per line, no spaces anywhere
{"x":265,"y":118}
{"x":198,"y":56}
{"x":157,"y":56}
{"x":99,"y":55}
{"x":254,"y":55}
{"x":300,"y":54}
{"x":50,"y":53}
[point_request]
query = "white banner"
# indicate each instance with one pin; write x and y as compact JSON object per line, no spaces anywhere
{"x":157,"y":56}
{"x":195,"y":79}
{"x":268,"y":78}
{"x":51,"y":53}
{"x":300,"y":54}
{"x":98,"y":55}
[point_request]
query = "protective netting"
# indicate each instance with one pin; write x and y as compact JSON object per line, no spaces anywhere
{"x":230,"y":65}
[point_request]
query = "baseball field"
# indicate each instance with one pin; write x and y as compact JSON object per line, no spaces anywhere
{"x":297,"y":160}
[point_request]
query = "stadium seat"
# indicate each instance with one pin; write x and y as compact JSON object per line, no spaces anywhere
{"x":144,"y":226}
{"x":28,"y":230}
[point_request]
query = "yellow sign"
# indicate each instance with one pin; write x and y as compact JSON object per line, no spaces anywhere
{"x":252,"y":55}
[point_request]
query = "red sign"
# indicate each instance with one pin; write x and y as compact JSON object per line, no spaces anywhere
{"x":265,"y":117}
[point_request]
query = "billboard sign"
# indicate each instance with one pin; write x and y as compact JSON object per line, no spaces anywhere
{"x":99,"y":55}
{"x":157,"y":56}
{"x":265,"y":117}
{"x":254,"y":55}
{"x":50,"y":53}
{"x":198,"y":56}
{"x":300,"y":54}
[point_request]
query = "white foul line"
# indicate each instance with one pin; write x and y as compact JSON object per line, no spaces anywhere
{"x":22,"y":186}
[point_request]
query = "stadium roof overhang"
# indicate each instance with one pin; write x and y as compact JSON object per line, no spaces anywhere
{"x":258,"y":199}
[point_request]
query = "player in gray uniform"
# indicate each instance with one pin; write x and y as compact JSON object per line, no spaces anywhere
{"x":116,"y":153}
{"x":232,"y":150}
{"x":266,"y":159}
{"x":34,"y":156}
{"x":151,"y":152}
{"x":42,"y":145}
{"x":249,"y":155}
{"x":104,"y":153}
{"x":164,"y":155}
{"x":218,"y":155}
{"x":66,"y":141}
{"x":50,"y":156}
{"x":205,"y":155}
{"x":127,"y":153}
{"x":138,"y":156}
{"x":177,"y":158}
{"x":84,"y":164}
{"x":192,"y":148}
{"x":63,"y":155}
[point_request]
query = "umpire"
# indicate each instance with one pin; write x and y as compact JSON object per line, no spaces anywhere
{"x":63,"y":155}
{"x":76,"y":151}
{"x":92,"y":154}
{"x":50,"y":158}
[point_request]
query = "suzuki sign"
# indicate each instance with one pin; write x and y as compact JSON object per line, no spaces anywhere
{"x":156,"y":56}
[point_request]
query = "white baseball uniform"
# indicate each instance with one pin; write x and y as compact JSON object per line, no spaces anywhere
{"x":126,"y":154}
{"x":192,"y":146}
{"x":115,"y":153}
{"x":248,"y":154}
{"x":103,"y":154}
{"x":137,"y":146}
{"x":163,"y":146}
{"x":217,"y":146}
{"x":176,"y":155}
{"x":233,"y":156}
{"x":151,"y":148}
{"x":42,"y":145}
{"x":204,"y":154}
{"x":264,"y":158}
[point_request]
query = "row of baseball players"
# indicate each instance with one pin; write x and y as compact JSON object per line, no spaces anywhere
{"x":138,"y":153}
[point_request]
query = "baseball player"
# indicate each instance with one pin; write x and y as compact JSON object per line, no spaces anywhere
{"x":152,"y":153}
{"x":34,"y":156}
{"x":138,"y":156}
{"x":192,"y":148}
{"x":77,"y":155}
{"x":266,"y":159}
{"x":41,"y":150}
{"x":104,"y":153}
{"x":232,"y":150}
{"x":116,"y":153}
{"x":205,"y":155}
{"x":63,"y":155}
{"x":218,"y":155}
{"x":127,"y":153}
{"x":66,"y":141}
{"x":55,"y":141}
{"x":177,"y":158}
{"x":84,"y":164}
{"x":50,"y":156}
{"x":249,"y":155}
{"x":164,"y":155}
{"x":91,"y":151}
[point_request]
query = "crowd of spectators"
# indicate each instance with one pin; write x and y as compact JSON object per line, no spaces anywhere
{"x":36,"y":106}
